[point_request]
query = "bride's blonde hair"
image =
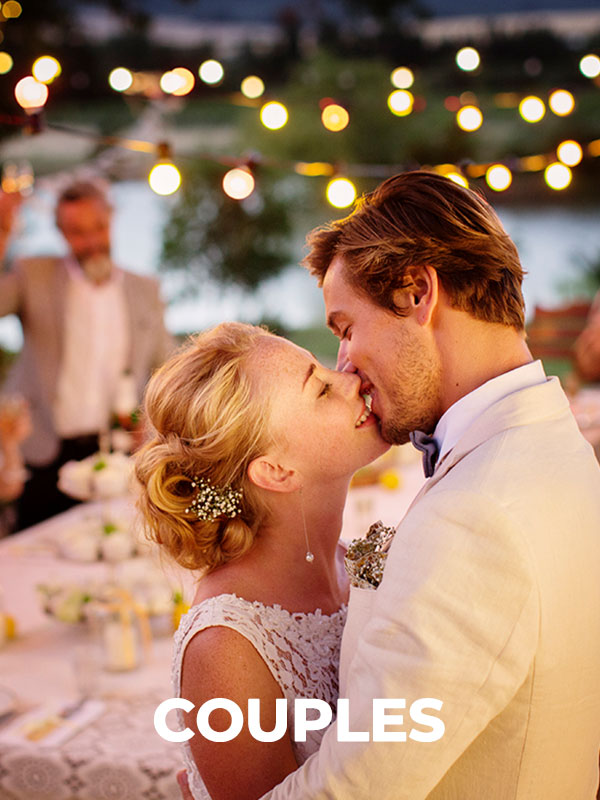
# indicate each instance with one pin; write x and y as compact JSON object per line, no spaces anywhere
{"x":206,"y":419}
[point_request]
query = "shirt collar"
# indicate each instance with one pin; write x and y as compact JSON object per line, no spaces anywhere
{"x":75,"y":273}
{"x":455,"y":421}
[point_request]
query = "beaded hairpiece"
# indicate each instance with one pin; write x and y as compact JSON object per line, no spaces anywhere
{"x":211,"y":502}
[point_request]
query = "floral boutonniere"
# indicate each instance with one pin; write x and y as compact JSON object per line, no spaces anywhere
{"x":365,"y":559}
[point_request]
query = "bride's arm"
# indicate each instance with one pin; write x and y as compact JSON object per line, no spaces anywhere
{"x":219,"y":662}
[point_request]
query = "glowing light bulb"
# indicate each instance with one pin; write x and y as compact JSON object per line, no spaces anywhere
{"x":402,"y":78}
{"x":238,"y":183}
{"x":11,"y":9}
{"x":164,"y":178}
{"x":561,"y":102}
{"x":467,"y":59}
{"x":211,"y":71}
{"x":6,"y":63}
{"x":334,"y":117}
{"x":252,"y":87}
{"x":498,"y":177}
{"x":401,"y":102}
{"x":273,"y":115}
{"x":569,"y":152}
{"x":169,"y":82}
{"x":557,"y":176}
{"x":469,"y":118}
{"x":341,"y":192}
{"x":590,"y":66}
{"x":46,"y":68}
{"x":120,"y":79}
{"x":532,"y":109}
{"x":179,"y":81}
{"x":456,"y":177}
{"x":31,"y":94}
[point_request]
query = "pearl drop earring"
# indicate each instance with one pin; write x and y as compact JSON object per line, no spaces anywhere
{"x":310,"y":556}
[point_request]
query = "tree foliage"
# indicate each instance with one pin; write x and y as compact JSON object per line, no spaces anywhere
{"x":209,"y":235}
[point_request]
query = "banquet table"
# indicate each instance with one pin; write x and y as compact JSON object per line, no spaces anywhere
{"x":118,"y":755}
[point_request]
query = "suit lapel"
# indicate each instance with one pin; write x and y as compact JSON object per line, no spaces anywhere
{"x":533,"y":404}
{"x":59,"y":302}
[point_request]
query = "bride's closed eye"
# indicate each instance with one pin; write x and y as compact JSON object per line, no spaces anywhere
{"x":325,"y":390}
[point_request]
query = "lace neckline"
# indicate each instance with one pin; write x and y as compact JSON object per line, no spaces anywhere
{"x":297,"y":615}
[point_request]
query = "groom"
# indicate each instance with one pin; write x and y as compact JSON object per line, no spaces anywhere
{"x":490,"y":599}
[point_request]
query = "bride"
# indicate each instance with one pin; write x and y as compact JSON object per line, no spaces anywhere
{"x":253,"y":444}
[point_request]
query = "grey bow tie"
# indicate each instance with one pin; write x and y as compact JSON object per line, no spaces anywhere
{"x":428,"y":446}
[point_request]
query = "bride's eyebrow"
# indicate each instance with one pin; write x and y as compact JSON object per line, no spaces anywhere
{"x":311,"y":369}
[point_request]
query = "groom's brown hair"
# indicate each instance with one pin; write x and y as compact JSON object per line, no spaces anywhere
{"x":422,"y":218}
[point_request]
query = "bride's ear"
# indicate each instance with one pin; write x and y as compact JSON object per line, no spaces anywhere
{"x":267,"y":474}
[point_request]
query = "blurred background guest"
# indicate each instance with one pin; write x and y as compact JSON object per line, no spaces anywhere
{"x":89,"y":328}
{"x":15,"y":426}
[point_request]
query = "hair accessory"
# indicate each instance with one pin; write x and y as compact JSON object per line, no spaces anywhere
{"x":212,"y":502}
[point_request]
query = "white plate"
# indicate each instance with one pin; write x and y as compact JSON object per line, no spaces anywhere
{"x":8,"y":701}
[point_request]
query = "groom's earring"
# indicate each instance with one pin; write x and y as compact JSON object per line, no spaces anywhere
{"x":310,"y":557}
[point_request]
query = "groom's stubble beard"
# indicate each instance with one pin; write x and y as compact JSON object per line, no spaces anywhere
{"x":414,"y":394}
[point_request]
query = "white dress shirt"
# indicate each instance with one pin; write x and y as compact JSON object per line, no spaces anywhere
{"x":95,"y":353}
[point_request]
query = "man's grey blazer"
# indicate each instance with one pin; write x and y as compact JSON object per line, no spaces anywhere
{"x":35,"y":290}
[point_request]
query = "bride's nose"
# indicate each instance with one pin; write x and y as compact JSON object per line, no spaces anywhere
{"x":348,"y":383}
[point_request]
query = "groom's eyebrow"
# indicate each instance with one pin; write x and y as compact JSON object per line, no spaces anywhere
{"x":311,"y":369}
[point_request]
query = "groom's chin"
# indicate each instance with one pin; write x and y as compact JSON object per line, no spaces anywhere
{"x":391,"y":434}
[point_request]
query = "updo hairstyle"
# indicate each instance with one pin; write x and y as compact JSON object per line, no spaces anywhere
{"x":206,"y":419}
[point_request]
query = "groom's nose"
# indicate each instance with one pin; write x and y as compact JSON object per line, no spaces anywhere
{"x":343,"y":363}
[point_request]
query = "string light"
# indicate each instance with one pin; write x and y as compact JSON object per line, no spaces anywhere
{"x":273,"y":115}
{"x":252,"y":87}
{"x":469,"y":118}
{"x":164,"y":177}
{"x":11,"y":9}
{"x":401,"y":102}
{"x":532,"y":109}
{"x":557,"y":176}
{"x":569,"y":153}
{"x":31,"y":94}
{"x":334,"y":117}
{"x":561,"y":102}
{"x":341,"y":192}
{"x":402,"y":78}
{"x":498,"y":177}
{"x":456,"y":177}
{"x":238,"y":183}
{"x":46,"y":68}
{"x":6,"y":63}
{"x":179,"y":82}
{"x":467,"y":59}
{"x":590,"y":66}
{"x":120,"y":79}
{"x":211,"y":72}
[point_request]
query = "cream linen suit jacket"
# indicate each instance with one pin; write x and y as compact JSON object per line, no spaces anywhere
{"x":490,"y":602}
{"x":35,"y":290}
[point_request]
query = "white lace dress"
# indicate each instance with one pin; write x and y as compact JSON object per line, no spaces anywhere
{"x":301,"y":650}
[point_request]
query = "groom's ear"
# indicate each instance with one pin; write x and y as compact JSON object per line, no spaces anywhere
{"x":268,"y":474}
{"x":419,"y":295}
